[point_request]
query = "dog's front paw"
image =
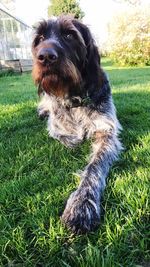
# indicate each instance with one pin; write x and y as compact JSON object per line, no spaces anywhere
{"x":82,"y":213}
{"x":42,"y":114}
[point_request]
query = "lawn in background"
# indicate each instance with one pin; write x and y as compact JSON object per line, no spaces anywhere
{"x":37,"y":177}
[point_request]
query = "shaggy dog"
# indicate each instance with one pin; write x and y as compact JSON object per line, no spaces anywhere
{"x":76,"y":98}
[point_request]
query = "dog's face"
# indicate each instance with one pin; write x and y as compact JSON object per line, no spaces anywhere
{"x":64,"y":56}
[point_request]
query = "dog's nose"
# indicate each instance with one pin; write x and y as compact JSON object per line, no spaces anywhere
{"x":47,"y":55}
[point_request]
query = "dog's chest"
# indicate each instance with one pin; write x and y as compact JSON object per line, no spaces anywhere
{"x":74,"y":121}
{"x":79,"y":122}
{"x":71,"y":121}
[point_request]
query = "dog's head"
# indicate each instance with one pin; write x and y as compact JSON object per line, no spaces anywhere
{"x":66,"y":59}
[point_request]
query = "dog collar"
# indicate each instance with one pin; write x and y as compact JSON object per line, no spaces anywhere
{"x":77,"y":101}
{"x":73,"y":102}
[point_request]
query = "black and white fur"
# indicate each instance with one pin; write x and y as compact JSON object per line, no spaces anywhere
{"x":71,"y":124}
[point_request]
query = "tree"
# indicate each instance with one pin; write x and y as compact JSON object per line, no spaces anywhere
{"x":59,"y":7}
{"x":129,"y":35}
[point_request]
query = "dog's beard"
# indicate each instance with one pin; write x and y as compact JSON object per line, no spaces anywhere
{"x":57,"y":80}
{"x":50,"y":83}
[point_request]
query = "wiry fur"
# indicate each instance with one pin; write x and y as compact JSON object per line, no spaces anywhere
{"x":72,"y":123}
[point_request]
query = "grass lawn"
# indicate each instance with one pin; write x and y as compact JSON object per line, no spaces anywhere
{"x":37,"y":177}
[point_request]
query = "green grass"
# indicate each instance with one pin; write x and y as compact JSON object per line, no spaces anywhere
{"x":37,"y":177}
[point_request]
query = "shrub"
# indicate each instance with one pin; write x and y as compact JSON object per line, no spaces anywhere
{"x":129,"y":37}
{"x":59,"y":7}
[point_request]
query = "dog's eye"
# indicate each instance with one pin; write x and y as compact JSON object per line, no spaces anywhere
{"x":68,"y":36}
{"x":41,"y":38}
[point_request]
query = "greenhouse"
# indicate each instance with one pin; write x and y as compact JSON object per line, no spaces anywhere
{"x":15,"y":40}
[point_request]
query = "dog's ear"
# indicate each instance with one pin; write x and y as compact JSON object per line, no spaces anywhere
{"x":92,"y":69}
{"x":96,"y":81}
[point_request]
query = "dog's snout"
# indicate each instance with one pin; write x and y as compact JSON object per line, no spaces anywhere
{"x":47,"y":55}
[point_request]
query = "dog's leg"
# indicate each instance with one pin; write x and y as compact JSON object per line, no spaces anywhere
{"x":44,"y":106}
{"x":82,"y":212}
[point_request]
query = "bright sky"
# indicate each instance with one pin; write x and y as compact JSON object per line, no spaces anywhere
{"x":97,"y":13}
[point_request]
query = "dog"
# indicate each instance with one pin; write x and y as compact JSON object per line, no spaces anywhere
{"x":76,"y":98}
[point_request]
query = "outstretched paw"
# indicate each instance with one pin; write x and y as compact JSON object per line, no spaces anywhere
{"x":82,"y":214}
